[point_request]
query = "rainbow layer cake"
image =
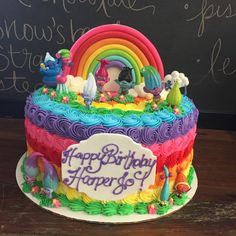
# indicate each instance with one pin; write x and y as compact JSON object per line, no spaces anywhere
{"x":109,"y":133}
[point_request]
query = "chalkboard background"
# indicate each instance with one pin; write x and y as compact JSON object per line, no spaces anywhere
{"x":196,"y":37}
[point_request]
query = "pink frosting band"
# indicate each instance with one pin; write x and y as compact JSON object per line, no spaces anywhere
{"x":52,"y":145}
{"x":174,"y":145}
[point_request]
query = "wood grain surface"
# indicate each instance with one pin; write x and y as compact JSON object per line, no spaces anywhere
{"x":211,"y":212}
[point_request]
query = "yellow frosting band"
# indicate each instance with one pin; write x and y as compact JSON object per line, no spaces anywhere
{"x":147,"y":195}
{"x":140,"y":106}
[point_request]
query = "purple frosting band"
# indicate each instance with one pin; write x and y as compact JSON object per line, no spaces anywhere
{"x":75,"y":130}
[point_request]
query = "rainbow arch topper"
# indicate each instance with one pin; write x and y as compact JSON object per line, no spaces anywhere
{"x":119,"y":44}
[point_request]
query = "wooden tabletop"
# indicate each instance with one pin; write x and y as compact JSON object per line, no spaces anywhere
{"x":211,"y":212}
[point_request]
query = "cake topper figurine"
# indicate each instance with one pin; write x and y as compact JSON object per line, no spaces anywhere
{"x":152,"y":80}
{"x":174,"y":97}
{"x":89,"y":91}
{"x":101,"y":75}
{"x":64,"y":56}
{"x":50,"y":68}
{"x":165,"y":192}
{"x":50,"y":179}
{"x":125,"y":80}
{"x":181,"y":183}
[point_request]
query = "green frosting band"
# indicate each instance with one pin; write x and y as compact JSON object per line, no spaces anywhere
{"x":26,"y":187}
{"x":179,"y":201}
{"x":108,"y":209}
{"x":141,"y":208}
{"x":125,"y":209}
{"x":127,"y":99}
{"x":64,"y":200}
{"x":163,"y":209}
{"x":44,"y":201}
{"x":77,"y":205}
{"x":59,"y":96}
{"x":94,"y":208}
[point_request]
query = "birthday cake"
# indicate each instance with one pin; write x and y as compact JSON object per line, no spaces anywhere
{"x":109,"y":133}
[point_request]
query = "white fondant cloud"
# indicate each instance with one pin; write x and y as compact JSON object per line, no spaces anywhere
{"x":140,"y":92}
{"x":75,"y":84}
{"x":177,"y":76}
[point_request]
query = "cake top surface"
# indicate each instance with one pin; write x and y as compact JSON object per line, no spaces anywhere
{"x":112,"y":76}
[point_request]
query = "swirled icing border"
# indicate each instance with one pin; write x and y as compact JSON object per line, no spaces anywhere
{"x":52,"y":145}
{"x":145,"y":119}
{"x":60,"y":125}
{"x":126,"y":207}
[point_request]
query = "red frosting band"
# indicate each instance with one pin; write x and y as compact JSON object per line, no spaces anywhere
{"x":169,"y":153}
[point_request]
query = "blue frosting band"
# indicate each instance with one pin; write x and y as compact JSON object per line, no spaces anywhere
{"x":152,"y":120}
{"x":78,"y":131}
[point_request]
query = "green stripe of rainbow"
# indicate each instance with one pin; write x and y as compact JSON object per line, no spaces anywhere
{"x":114,"y":40}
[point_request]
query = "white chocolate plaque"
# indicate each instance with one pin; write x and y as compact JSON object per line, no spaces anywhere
{"x":108,"y":167}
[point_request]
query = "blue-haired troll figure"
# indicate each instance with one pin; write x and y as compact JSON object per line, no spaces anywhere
{"x":165,"y":192}
{"x":50,"y":68}
{"x":152,"y":80}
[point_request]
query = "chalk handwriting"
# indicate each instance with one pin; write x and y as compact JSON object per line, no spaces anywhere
{"x":225,"y":67}
{"x":25,"y":3}
{"x":100,"y":5}
{"x":28,"y":32}
{"x":53,"y":31}
{"x":218,"y":63}
{"x":14,"y":82}
{"x":209,"y":11}
{"x":76,"y":32}
{"x":19,"y":59}
{"x":128,"y":4}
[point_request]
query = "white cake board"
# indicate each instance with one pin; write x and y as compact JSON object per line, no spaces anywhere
{"x":83,"y":216}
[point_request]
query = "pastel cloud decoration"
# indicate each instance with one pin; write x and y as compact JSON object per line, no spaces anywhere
{"x":138,"y":91}
{"x":75,"y":84}
{"x":177,"y":76}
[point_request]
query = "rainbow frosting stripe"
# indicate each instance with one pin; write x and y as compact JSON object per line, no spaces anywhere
{"x":116,"y":43}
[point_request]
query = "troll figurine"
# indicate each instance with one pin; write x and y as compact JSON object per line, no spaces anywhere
{"x":152,"y":80}
{"x":89,"y":91}
{"x":101,"y":75}
{"x":125,"y":80}
{"x":64,"y":56}
{"x":50,"y":68}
